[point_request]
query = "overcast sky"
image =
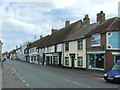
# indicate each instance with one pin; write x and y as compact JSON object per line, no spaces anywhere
{"x":21,"y":20}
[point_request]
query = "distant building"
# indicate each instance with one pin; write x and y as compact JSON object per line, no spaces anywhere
{"x":0,"y":49}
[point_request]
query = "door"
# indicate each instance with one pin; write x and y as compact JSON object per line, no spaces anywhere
{"x":72,"y":60}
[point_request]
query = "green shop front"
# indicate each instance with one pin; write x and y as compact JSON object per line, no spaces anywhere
{"x":96,"y":60}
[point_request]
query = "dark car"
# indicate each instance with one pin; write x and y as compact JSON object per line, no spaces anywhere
{"x":113,"y":75}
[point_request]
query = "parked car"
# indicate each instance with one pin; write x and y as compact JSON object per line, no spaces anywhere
{"x":113,"y":75}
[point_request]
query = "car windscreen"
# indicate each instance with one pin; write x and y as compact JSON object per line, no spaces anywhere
{"x":116,"y":67}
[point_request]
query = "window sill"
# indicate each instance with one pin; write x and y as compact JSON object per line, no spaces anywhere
{"x":95,"y":45}
{"x":96,"y":69}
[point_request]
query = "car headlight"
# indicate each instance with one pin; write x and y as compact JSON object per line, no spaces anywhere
{"x":117,"y":76}
{"x":105,"y":74}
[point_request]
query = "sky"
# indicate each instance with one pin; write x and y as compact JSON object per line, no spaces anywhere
{"x":23,"y":20}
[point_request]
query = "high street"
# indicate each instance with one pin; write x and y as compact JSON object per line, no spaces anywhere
{"x":39,"y":76}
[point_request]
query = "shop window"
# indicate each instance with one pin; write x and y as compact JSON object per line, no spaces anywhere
{"x":80,"y":44}
{"x":116,"y":59}
{"x":80,"y":61}
{"x":55,"y":59}
{"x":96,"y":61}
{"x":67,"y":46}
{"x":66,"y":61}
{"x":95,"y":40}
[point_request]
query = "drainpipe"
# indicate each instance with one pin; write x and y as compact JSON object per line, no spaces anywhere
{"x":63,"y":53}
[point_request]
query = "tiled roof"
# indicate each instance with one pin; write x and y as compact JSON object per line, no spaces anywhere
{"x":111,"y":24}
{"x":37,"y":42}
{"x":59,"y":36}
{"x":81,"y":32}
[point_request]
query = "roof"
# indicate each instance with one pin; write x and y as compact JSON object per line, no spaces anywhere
{"x":1,"y":41}
{"x":81,"y":32}
{"x":59,"y":36}
{"x":111,"y":24}
{"x":37,"y":42}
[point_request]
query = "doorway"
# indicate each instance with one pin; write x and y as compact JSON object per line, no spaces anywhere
{"x":72,"y":56}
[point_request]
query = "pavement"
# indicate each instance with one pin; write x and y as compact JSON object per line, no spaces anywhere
{"x":90,"y":73}
{"x":10,"y":79}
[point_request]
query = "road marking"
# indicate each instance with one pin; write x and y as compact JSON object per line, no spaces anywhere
{"x":102,"y":78}
{"x":24,"y":81}
{"x":28,"y":85}
{"x":21,"y":78}
{"x":77,"y":83}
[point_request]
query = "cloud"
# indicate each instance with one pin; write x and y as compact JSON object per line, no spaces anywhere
{"x":36,"y":17}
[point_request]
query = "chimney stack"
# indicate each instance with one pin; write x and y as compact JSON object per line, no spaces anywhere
{"x":67,"y":23}
{"x":53,"y":30}
{"x":16,"y":47}
{"x":101,"y":17}
{"x":41,"y":36}
{"x":86,"y":20}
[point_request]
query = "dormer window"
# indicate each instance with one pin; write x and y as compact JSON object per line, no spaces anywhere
{"x":95,"y":40}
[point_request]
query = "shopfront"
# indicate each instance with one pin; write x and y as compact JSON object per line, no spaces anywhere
{"x":96,"y":60}
{"x":116,"y":57}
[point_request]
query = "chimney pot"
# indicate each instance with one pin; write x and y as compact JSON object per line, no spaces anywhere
{"x":86,"y":20}
{"x":53,"y":30}
{"x":67,"y":23}
{"x":101,"y":17}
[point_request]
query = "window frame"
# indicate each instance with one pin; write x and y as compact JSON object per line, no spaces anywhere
{"x":80,"y":63}
{"x":67,"y":46}
{"x":67,"y":62}
{"x":95,"y":40}
{"x":80,"y":44}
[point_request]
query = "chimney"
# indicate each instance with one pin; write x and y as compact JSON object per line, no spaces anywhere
{"x":16,"y":47}
{"x":41,"y":36}
{"x":101,"y":17}
{"x":53,"y":30}
{"x":86,"y":20}
{"x":67,"y":23}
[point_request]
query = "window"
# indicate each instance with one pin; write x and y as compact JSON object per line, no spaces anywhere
{"x":95,"y":40}
{"x":55,"y":48}
{"x":96,"y":61}
{"x":80,"y":44}
{"x":80,"y":61}
{"x":67,"y":46}
{"x":55,"y":60}
{"x":66,"y":61}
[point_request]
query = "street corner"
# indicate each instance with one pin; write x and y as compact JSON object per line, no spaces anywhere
{"x":7,"y":70}
{"x":13,"y":81}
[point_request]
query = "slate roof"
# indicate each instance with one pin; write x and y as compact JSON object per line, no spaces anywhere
{"x":111,"y":24}
{"x":37,"y":42}
{"x":81,"y":32}
{"x":59,"y":36}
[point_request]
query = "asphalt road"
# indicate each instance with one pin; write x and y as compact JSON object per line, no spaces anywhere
{"x":38,"y":76}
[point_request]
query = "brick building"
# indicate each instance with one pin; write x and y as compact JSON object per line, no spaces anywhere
{"x":102,"y":43}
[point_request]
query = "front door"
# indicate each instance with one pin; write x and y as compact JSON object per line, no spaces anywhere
{"x":72,"y":60}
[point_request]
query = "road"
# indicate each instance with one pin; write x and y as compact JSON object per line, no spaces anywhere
{"x":39,"y":76}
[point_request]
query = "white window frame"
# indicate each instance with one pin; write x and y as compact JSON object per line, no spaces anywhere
{"x":98,"y":38}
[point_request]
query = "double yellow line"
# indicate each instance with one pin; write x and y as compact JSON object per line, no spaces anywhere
{"x":10,"y":72}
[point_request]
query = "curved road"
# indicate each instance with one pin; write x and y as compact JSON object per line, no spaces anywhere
{"x":38,"y":76}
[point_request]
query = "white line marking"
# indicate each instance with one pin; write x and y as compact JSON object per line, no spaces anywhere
{"x":20,"y":78}
{"x":102,"y":78}
{"x":28,"y":85}
{"x":77,"y":83}
{"x":23,"y":80}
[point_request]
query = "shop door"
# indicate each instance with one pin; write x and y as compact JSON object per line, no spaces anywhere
{"x":72,"y":60}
